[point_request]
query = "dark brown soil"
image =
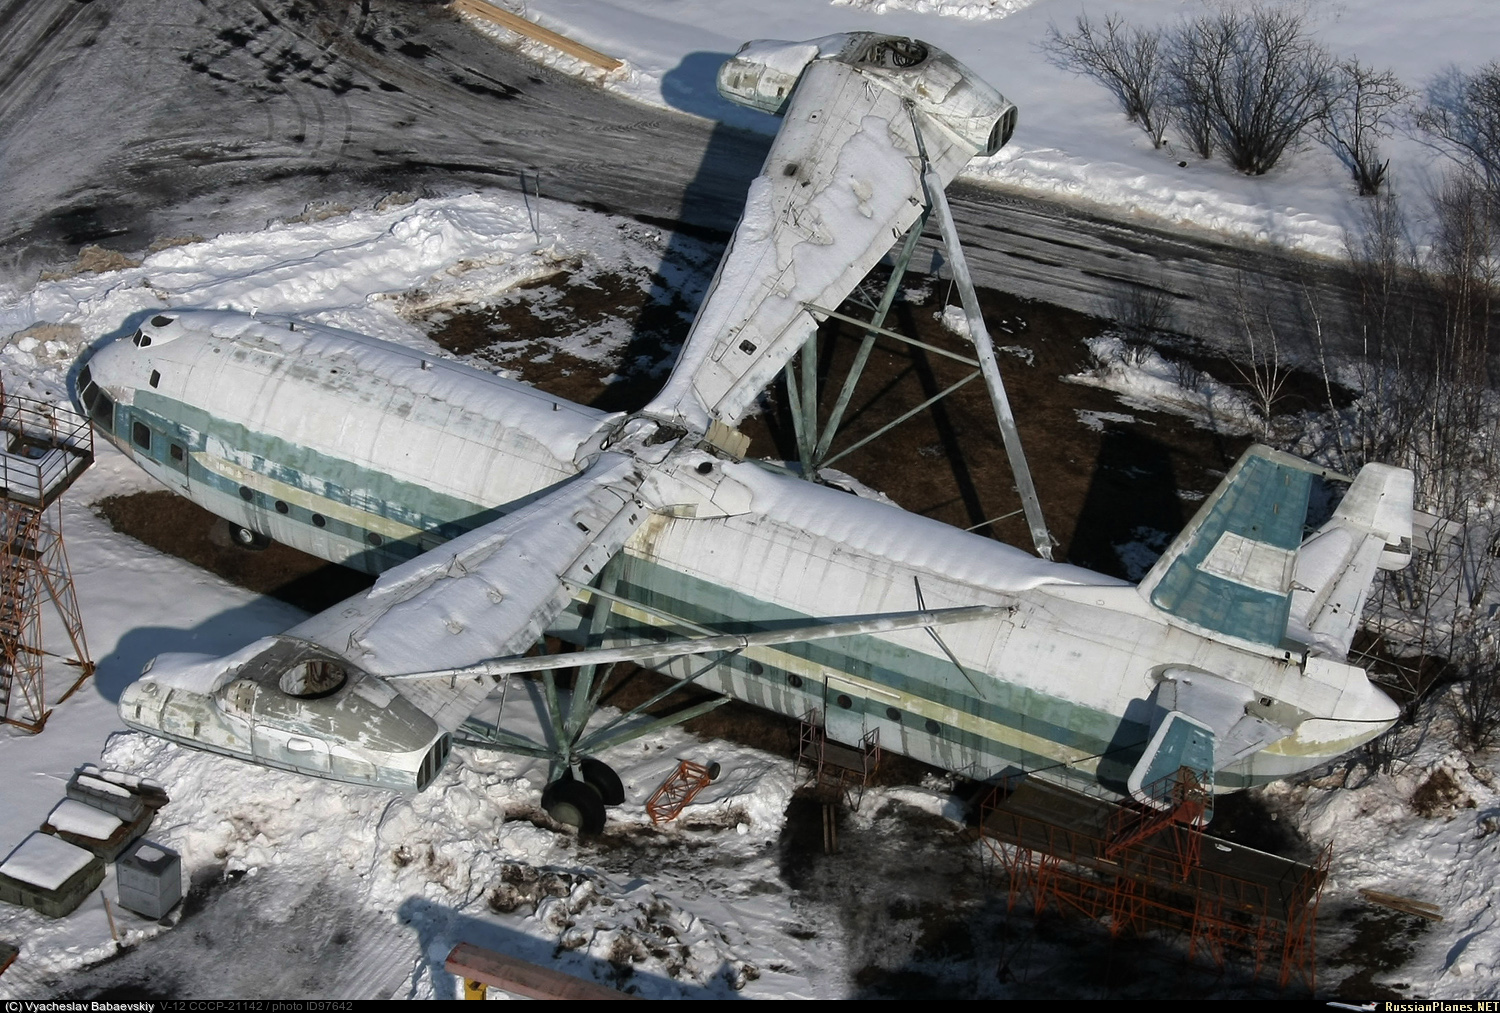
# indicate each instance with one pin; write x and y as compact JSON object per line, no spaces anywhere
{"x":171,"y":524}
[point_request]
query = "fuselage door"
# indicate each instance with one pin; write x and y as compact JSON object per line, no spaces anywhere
{"x":844,"y":706}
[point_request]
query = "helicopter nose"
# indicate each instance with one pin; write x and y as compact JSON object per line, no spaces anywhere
{"x":100,"y":380}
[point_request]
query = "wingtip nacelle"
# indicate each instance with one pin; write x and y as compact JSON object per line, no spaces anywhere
{"x":292,"y":705}
{"x":764,"y":73}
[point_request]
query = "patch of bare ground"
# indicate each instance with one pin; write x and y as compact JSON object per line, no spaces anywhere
{"x":523,"y":330}
{"x":171,"y":524}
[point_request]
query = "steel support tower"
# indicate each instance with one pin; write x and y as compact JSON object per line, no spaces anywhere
{"x":43,"y":449}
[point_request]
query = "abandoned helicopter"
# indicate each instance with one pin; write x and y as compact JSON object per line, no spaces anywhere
{"x":496,"y":514}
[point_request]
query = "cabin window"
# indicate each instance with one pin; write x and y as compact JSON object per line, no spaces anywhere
{"x":794,"y":681}
{"x":756,"y":668}
{"x":319,"y":520}
{"x":246,"y":493}
{"x":933,"y":727}
{"x":155,"y":378}
{"x":374,"y":539}
{"x":281,"y":507}
{"x":845,"y":702}
{"x":178,"y":455}
{"x":160,"y":321}
{"x":140,"y":435}
{"x":893,"y":714}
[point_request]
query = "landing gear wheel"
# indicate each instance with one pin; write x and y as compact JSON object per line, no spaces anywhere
{"x":247,"y":539}
{"x":576,"y":804}
{"x":599,"y":776}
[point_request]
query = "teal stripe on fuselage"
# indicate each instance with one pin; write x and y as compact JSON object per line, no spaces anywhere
{"x":336,"y":480}
{"x":1089,"y":731}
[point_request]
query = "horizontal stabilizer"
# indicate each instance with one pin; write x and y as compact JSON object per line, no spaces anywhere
{"x":1369,"y":531}
{"x":1215,"y":723}
{"x":1230,"y":570}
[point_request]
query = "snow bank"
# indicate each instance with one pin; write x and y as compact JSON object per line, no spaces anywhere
{"x":1146,"y":380}
{"x":1072,"y":142}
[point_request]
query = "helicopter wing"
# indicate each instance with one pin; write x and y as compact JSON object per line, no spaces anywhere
{"x":842,"y":183}
{"x":489,"y":593}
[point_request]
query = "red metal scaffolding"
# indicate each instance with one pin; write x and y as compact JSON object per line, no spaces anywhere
{"x":43,"y":450}
{"x":679,"y":789}
{"x":1139,"y":868}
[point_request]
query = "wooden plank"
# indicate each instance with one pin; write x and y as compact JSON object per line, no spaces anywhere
{"x":1406,"y":905}
{"x":521,"y":977}
{"x":519,"y":25}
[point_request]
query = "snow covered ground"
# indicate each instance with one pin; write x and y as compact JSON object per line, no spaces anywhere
{"x":404,"y":878}
{"x":1072,"y":141}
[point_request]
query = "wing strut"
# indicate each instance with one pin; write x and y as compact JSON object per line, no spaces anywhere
{"x":937,"y":200}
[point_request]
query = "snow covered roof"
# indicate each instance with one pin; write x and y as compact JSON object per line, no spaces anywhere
{"x":45,"y":861}
{"x":74,"y":817}
{"x":887,"y":531}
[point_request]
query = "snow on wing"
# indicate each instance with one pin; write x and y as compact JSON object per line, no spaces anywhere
{"x":489,"y":593}
{"x":841,"y":184}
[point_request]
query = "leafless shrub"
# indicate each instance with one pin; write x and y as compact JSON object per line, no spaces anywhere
{"x":1141,"y":310}
{"x":1463,"y":111}
{"x":1477,"y":708}
{"x":1193,"y":55}
{"x":1255,"y":80}
{"x":1125,"y":59}
{"x":1426,"y":326}
{"x":1260,"y":361}
{"x":1360,"y":112}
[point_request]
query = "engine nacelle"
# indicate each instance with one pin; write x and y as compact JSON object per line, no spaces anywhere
{"x":764,"y":73}
{"x":290,"y":704}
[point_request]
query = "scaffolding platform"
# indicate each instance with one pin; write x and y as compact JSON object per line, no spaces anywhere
{"x":834,"y":772}
{"x":1139,"y":869}
{"x":679,"y":790}
{"x":44,"y":448}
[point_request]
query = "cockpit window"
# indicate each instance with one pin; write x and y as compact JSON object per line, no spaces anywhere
{"x":140,"y":435}
{"x":140,"y":339}
{"x":161,"y":321}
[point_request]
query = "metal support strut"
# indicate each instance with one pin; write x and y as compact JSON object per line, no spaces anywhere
{"x":937,"y":200}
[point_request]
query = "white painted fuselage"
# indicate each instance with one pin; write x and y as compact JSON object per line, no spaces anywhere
{"x":368,"y":454}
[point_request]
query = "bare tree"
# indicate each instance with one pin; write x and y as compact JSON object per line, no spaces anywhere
{"x":1194,"y":53}
{"x":1125,"y":59}
{"x":1363,"y":104}
{"x":1260,"y":362}
{"x":1463,"y":110}
{"x":1257,"y":78}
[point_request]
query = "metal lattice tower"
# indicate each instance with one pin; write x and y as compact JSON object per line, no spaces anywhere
{"x":43,"y":450}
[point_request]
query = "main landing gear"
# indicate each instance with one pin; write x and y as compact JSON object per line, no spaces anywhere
{"x":581,"y":804}
{"x":244,"y":538}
